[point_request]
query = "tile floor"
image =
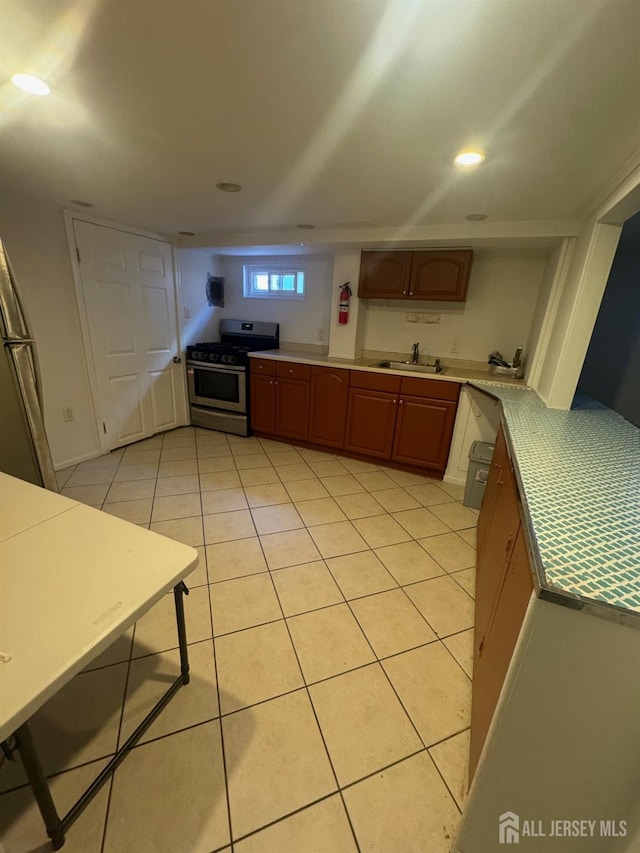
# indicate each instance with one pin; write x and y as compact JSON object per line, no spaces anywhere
{"x":330,"y":630}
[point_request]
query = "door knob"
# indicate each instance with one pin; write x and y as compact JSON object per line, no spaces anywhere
{"x":176,"y":359}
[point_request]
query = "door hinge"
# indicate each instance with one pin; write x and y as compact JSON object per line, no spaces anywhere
{"x":104,"y":427}
{"x":78,"y":254}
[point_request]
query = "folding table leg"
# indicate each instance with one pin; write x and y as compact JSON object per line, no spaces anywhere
{"x":39,"y":785}
{"x":178,"y":591}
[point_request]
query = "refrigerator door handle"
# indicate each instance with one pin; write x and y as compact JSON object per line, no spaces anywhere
{"x":24,"y":360}
{"x":12,"y":313}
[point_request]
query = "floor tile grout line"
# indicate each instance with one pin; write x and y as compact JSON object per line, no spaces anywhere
{"x":315,"y":476}
{"x":379,"y":662}
{"x":289,"y":815}
{"x":308,"y":693}
{"x":122,"y":707}
{"x":408,"y":715}
{"x":215,"y":667}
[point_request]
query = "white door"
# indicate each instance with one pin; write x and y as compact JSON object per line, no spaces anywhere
{"x":130,"y":300}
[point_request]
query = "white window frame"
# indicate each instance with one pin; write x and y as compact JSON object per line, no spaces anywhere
{"x":250,"y":270}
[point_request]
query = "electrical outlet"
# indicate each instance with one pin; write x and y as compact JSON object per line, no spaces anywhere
{"x":187,"y":312}
{"x":455,"y":346}
{"x":430,"y":318}
{"x":320,"y":334}
{"x":67,"y":414}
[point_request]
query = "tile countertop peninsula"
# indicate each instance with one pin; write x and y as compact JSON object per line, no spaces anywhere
{"x":578,"y":473}
{"x":457,"y":369}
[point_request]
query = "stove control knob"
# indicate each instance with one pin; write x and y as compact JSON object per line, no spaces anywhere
{"x":213,"y":356}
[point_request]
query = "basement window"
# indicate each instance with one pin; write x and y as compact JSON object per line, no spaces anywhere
{"x":273,"y":282}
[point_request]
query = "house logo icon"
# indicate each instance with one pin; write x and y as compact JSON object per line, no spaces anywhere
{"x":509,"y":824}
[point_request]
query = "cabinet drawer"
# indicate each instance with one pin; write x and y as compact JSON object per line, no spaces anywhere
{"x":435,"y":389}
{"x":375,"y":381}
{"x":292,"y":370}
{"x":263,"y":366}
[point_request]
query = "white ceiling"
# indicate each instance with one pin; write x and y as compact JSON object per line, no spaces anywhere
{"x":340,"y":113}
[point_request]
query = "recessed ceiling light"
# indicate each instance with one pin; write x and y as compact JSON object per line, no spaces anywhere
{"x":476,"y":217}
{"x":80,"y":203}
{"x":305,"y":226}
{"x":29,"y":83}
{"x":229,"y":188}
{"x":469,"y":158}
{"x":187,"y":233}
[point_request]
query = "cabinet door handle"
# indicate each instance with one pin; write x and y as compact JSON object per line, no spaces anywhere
{"x":401,"y":402}
{"x":271,"y":382}
{"x":404,"y":292}
{"x":411,"y":293}
{"x":291,"y":370}
{"x":394,"y":401}
{"x":275,"y":383}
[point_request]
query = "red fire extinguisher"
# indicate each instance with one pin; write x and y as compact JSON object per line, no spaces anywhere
{"x":343,"y":307}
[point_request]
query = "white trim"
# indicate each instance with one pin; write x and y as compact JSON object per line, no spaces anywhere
{"x":107,"y":223}
{"x":70,"y":216}
{"x":60,"y":466}
{"x":557,"y":285}
{"x":185,"y":415}
{"x":249,"y":270}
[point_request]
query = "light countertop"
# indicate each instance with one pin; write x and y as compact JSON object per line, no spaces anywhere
{"x":579,"y":478}
{"x":457,"y":370}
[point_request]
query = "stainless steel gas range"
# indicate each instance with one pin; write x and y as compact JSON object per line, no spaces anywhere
{"x":217,"y":374}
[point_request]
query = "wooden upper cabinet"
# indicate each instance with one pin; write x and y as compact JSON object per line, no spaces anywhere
{"x":434,"y":275}
{"x":440,"y":276}
{"x":423,"y":432}
{"x":328,"y":408}
{"x":384,"y":275}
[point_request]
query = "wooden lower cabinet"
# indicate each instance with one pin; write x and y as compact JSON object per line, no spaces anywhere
{"x":292,"y":408}
{"x":328,"y":406}
{"x":504,"y":584}
{"x":263,"y":404}
{"x":423,"y":432}
{"x":280,"y":405}
{"x":382,"y":416}
{"x":371,"y":420}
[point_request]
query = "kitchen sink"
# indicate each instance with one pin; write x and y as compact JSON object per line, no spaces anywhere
{"x":417,"y":366}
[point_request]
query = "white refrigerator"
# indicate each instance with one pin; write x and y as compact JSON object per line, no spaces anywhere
{"x":24,"y":449}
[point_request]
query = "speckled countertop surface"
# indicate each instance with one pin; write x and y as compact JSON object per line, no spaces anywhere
{"x":456,"y":371}
{"x":579,"y":475}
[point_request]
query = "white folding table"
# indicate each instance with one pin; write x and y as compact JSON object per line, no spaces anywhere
{"x":72,"y":580}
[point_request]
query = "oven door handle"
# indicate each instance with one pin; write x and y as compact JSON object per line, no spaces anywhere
{"x":217,"y":368}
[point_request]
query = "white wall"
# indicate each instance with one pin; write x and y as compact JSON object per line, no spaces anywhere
{"x":204,"y":319}
{"x":576,"y":313}
{"x":301,"y":321}
{"x":501,"y":300}
{"x":35,"y":237}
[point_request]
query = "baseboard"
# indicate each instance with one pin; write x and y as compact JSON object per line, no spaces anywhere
{"x":60,"y":466}
{"x":458,"y":481}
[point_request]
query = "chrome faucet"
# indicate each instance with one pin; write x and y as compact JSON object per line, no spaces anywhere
{"x":415,"y":353}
